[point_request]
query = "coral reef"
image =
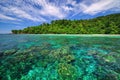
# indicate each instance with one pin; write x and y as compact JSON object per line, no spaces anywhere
{"x":67,"y":71}
{"x":72,"y":58}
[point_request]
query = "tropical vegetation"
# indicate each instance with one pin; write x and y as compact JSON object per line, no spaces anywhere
{"x":109,"y":24}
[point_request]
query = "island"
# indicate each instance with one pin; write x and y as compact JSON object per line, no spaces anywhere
{"x":109,"y":24}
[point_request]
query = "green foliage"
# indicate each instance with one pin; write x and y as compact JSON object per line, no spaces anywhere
{"x":109,"y":24}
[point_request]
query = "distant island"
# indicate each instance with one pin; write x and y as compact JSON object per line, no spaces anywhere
{"x":109,"y":24}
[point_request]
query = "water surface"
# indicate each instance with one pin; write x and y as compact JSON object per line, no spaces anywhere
{"x":59,"y":57}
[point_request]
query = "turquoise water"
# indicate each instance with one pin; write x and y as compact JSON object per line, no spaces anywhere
{"x":59,"y":57}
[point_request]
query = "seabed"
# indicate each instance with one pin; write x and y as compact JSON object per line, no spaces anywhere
{"x":59,"y":57}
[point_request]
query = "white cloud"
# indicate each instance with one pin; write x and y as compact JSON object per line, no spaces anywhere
{"x":18,"y":12}
{"x":2,"y":16}
{"x":22,"y":14}
{"x":10,"y":22}
{"x":93,"y":7}
{"x":49,"y":9}
{"x":66,"y":8}
{"x":59,"y":9}
{"x":100,"y":5}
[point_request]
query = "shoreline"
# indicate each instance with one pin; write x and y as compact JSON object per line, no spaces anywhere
{"x":81,"y":35}
{"x":70,"y":34}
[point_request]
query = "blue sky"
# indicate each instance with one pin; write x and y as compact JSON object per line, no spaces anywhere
{"x":18,"y":14}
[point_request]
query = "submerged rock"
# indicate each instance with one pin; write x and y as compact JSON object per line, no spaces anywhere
{"x":59,"y":53}
{"x":9,"y":52}
{"x":111,"y":57}
{"x":68,"y":59}
{"x":67,"y":71}
{"x":1,"y":53}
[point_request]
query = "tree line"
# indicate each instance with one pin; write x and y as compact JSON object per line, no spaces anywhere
{"x":109,"y":24}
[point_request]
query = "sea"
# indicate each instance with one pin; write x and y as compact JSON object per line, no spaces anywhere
{"x":59,"y":57}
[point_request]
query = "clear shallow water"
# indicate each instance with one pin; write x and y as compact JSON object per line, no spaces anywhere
{"x":53,"y":57}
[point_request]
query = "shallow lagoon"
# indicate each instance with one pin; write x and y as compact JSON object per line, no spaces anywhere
{"x":59,"y":57}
